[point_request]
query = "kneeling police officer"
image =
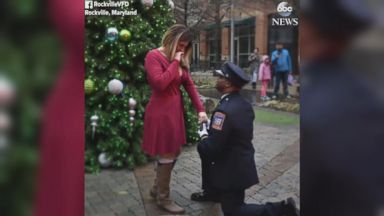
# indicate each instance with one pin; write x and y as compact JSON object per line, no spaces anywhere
{"x":227,"y":153}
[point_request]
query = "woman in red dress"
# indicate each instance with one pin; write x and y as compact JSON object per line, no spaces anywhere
{"x":164,"y":131}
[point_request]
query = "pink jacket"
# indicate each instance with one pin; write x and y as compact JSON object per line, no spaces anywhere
{"x":265,"y":71}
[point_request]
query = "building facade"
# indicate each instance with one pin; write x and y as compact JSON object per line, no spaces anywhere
{"x":252,"y":29}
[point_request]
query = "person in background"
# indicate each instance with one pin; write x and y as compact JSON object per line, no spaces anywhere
{"x":281,"y":61}
{"x":164,"y":129}
{"x":254,"y":63}
{"x":265,"y":76}
{"x":227,"y":153}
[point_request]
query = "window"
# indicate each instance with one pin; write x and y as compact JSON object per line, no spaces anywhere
{"x":246,"y":43}
{"x":213,"y":47}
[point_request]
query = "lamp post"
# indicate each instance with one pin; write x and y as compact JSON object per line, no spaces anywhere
{"x":232,"y":33}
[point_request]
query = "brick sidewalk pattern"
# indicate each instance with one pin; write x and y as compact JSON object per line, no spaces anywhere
{"x":123,"y":193}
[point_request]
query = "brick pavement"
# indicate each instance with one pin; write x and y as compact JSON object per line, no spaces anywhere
{"x":113,"y":192}
{"x":122,"y":192}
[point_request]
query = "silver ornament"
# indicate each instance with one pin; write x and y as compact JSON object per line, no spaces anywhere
{"x":94,"y":120}
{"x":132,"y":113}
{"x":104,"y":161}
{"x":115,"y":86}
{"x":112,"y":34}
{"x":132,"y":103}
{"x":131,"y":118}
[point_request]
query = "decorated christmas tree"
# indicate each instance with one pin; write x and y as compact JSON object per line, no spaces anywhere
{"x":116,"y":88}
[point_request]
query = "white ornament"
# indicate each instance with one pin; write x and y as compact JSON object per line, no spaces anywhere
{"x":147,"y":3}
{"x":131,"y":119}
{"x":104,"y":161}
{"x":115,"y":86}
{"x":171,"y":4}
{"x":132,"y":103}
{"x":7,"y":91}
{"x":132,"y":112}
{"x":94,"y":118}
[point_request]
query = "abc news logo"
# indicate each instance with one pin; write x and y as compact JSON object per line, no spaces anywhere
{"x":284,"y":10}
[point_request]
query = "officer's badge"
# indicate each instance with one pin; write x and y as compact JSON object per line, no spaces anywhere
{"x":218,"y":120}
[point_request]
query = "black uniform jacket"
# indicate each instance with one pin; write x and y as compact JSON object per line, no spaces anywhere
{"x":229,"y":147}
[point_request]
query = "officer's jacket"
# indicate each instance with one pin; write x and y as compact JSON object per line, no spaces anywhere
{"x":229,"y":144}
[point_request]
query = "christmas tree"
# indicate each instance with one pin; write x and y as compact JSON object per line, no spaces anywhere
{"x":116,"y":87}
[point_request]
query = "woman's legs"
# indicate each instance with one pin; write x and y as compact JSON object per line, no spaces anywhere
{"x":161,"y":189}
{"x":161,"y":160}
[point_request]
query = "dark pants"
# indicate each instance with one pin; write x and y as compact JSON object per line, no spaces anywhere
{"x":281,"y":76}
{"x":205,"y":175}
{"x":232,"y":204}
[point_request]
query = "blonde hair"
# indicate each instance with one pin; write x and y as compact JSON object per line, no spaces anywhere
{"x":172,"y":37}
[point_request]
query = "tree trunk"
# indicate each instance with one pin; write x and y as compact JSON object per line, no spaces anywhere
{"x":186,"y":12}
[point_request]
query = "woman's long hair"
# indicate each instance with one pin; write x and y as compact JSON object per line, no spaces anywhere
{"x":172,"y":37}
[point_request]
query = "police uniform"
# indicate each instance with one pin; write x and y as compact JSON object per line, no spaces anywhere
{"x":227,"y":154}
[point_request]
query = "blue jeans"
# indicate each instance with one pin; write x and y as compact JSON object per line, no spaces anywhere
{"x":281,"y":76}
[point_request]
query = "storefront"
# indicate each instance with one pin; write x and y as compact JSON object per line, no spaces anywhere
{"x":214,"y":47}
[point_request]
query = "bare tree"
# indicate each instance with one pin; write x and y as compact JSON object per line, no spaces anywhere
{"x":197,"y":14}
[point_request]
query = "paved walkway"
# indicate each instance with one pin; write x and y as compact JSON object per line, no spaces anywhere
{"x":123,"y":192}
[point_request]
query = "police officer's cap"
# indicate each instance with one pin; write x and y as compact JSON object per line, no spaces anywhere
{"x":234,"y":74}
{"x":337,"y":16}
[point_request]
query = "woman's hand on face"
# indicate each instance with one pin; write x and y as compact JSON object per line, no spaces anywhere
{"x":203,"y":117}
{"x":179,"y":55}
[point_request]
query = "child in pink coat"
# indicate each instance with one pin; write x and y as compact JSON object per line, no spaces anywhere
{"x":265,"y":76}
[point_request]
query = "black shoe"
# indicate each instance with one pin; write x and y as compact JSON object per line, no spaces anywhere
{"x":253,"y":85}
{"x":204,"y":197}
{"x":290,"y":208}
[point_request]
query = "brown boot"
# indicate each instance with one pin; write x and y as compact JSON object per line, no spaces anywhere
{"x":153,"y":190}
{"x":163,"y":180}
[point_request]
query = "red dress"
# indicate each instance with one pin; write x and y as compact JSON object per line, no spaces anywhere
{"x":164,"y":130}
{"x":60,"y":185}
